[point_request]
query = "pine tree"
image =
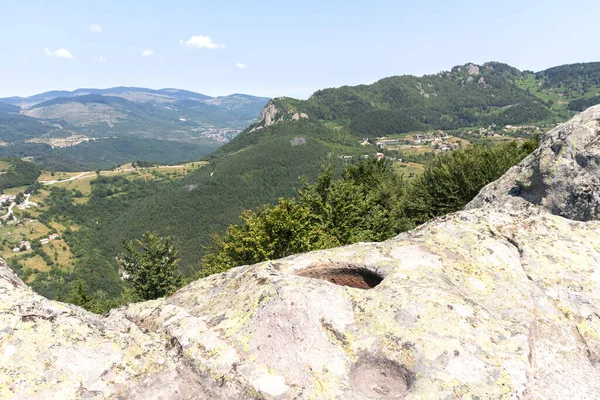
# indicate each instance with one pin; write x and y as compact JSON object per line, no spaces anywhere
{"x":151,"y":264}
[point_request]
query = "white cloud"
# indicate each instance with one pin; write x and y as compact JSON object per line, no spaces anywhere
{"x":94,"y":28}
{"x":60,"y":53}
{"x":147,"y":53}
{"x":201,"y":42}
{"x":100,"y":59}
{"x":240,"y":65}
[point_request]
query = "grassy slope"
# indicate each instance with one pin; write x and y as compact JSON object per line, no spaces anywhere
{"x":564,"y":85}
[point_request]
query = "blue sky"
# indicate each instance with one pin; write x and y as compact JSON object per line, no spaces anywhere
{"x":287,"y":48}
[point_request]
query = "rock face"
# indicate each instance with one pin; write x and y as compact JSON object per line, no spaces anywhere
{"x":472,"y":69}
{"x":267,"y":115}
{"x":274,"y":112}
{"x":562,"y":175}
{"x":501,"y":301}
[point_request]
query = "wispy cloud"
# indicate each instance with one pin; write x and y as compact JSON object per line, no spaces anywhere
{"x":95,"y":28}
{"x":240,"y":65}
{"x":60,"y":53}
{"x":100,"y":60}
{"x":201,"y":42}
{"x":147,"y":53}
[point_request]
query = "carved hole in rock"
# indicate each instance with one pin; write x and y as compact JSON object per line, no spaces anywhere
{"x":343,"y":274}
{"x":380,"y":378}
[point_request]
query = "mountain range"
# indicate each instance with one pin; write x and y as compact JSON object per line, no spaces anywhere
{"x":102,"y":128}
{"x":61,"y":124}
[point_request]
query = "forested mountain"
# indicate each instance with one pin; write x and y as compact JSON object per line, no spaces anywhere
{"x":467,"y":96}
{"x":62,"y":121}
{"x":293,"y":138}
{"x":15,"y":172}
{"x":109,"y":153}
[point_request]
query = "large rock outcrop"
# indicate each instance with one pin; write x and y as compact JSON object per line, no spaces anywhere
{"x":501,"y":301}
{"x":562,"y":175}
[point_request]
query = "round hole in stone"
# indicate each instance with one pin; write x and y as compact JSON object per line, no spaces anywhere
{"x":380,"y":378}
{"x":342,"y":274}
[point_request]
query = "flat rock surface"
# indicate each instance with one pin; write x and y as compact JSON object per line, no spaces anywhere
{"x":501,"y":301}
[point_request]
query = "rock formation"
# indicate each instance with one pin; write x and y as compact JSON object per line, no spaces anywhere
{"x":501,"y":301}
{"x":275,"y":112}
{"x":267,"y":115}
{"x":472,"y":69}
{"x":562,"y":175}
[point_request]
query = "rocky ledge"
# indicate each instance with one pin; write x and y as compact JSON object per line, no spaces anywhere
{"x":499,"y":301}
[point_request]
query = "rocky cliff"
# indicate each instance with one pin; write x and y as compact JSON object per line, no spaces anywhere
{"x":277,"y":111}
{"x":499,"y":301}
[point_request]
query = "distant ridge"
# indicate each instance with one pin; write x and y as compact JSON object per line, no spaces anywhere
{"x":178,"y":93}
{"x":121,"y":118}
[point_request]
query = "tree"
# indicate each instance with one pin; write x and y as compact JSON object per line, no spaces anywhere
{"x":19,"y":198}
{"x":453,"y":179}
{"x":266,"y":234}
{"x":361,"y":206}
{"x":150,"y":263}
{"x":80,"y":295}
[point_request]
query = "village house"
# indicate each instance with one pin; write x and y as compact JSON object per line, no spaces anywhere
{"x":54,"y":236}
{"x":418,"y":139}
{"x":6,"y":199}
{"x":386,"y":142}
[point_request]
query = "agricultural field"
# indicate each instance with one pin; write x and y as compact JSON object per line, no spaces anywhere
{"x":409,"y":169}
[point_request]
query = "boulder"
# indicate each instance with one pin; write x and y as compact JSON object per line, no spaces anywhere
{"x":562,"y":175}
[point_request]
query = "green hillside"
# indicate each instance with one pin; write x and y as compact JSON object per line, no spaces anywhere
{"x":466,"y":96}
{"x":17,"y":128}
{"x":190,"y":209}
{"x":574,"y":87}
{"x":15,"y":172}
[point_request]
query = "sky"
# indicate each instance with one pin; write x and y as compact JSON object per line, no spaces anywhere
{"x":278,"y":48}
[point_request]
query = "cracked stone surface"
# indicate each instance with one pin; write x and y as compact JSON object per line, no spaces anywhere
{"x":500,"y":301}
{"x":562,"y":176}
